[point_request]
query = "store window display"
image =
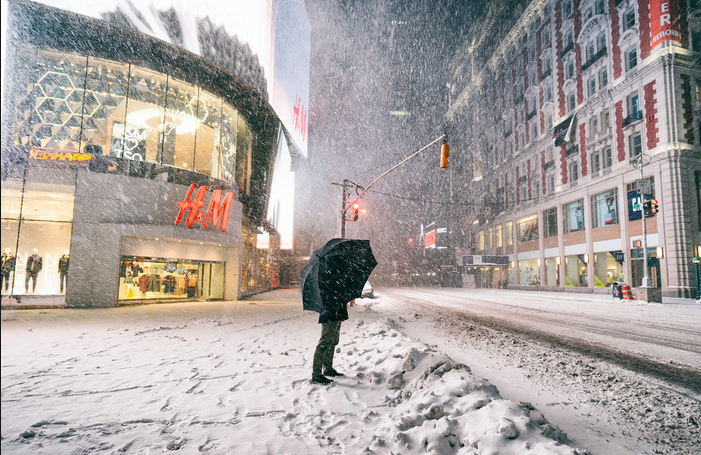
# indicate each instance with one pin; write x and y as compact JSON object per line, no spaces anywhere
{"x":34,"y":265}
{"x":63,"y":270}
{"x":165,"y":279}
{"x":7,"y":267}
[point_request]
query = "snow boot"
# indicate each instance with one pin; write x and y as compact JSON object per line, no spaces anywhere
{"x":331,"y":372}
{"x":321,"y":379}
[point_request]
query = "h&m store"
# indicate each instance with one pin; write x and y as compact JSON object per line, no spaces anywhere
{"x":128,"y":176}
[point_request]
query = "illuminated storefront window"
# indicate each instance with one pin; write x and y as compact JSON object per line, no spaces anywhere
{"x":576,"y":270}
{"x":552,"y":272}
{"x":36,"y":231}
{"x":574,"y":216}
{"x":76,"y":103}
{"x":166,"y":279}
{"x":608,"y":267}
{"x":529,"y":272}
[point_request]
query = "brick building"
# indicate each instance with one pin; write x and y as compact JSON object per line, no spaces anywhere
{"x":555,"y":104}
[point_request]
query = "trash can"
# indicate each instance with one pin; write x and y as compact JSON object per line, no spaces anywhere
{"x":617,"y":294}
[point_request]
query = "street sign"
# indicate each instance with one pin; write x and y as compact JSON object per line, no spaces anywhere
{"x":644,"y":186}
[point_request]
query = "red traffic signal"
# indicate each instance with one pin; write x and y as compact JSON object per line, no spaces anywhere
{"x":356,"y":206}
{"x":654,"y":208}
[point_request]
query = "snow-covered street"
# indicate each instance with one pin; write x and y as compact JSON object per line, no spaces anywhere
{"x":233,"y":377}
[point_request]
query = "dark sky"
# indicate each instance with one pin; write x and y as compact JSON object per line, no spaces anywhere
{"x":369,"y":58}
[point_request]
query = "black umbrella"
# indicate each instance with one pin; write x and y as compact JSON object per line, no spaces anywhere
{"x":335,"y":275}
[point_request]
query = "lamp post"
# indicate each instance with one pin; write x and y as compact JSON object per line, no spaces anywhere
{"x":696,"y":262}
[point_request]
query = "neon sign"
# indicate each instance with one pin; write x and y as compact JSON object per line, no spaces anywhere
{"x":43,"y":155}
{"x":218,"y":214}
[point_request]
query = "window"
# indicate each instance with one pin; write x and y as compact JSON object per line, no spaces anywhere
{"x":573,"y":214}
{"x":527,"y":228}
{"x":605,"y":119}
{"x":607,"y":269}
{"x":590,"y":50}
{"x":593,"y":126}
{"x":574,"y":171}
{"x":497,"y":237}
{"x":603,"y":78}
{"x":548,"y":93}
{"x":592,"y":86}
{"x":533,"y":78}
{"x":545,"y":37}
{"x":549,"y":122}
{"x":629,"y":19}
{"x":604,"y":208}
{"x":636,"y":145}
{"x":631,"y":58}
{"x":575,"y":270}
{"x":550,"y":222}
{"x":569,"y":39}
{"x":531,"y":53}
{"x":601,"y":42}
{"x":595,"y":162}
{"x":633,"y":104}
{"x":567,"y":9}
{"x":534,"y":131}
{"x":571,"y":102}
{"x":509,"y":233}
{"x":600,"y":7}
{"x":547,"y":66}
{"x":480,"y":240}
{"x":608,"y":159}
{"x":588,"y":14}
{"x":551,"y":183}
{"x":490,"y":237}
{"x":569,"y":69}
{"x":552,"y":272}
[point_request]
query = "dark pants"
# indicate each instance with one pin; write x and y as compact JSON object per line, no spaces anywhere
{"x":323,"y":355}
{"x":63,"y":279}
{"x":5,"y":279}
{"x":31,"y":276}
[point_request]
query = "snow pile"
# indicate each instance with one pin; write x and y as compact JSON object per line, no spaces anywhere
{"x":437,"y":406}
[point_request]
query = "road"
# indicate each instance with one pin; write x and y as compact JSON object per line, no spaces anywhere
{"x":661,"y":339}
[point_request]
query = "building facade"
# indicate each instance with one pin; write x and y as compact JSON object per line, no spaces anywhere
{"x":566,"y":116}
{"x":133,"y":170}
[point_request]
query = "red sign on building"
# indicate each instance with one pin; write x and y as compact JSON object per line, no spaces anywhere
{"x":664,"y":22}
{"x":219,"y":214}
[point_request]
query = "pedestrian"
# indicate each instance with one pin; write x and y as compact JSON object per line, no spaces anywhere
{"x":322,"y":366}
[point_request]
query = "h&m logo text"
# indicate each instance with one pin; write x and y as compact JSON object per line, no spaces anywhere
{"x":219,"y":214}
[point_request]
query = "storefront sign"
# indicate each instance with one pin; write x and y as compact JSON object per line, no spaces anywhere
{"x":217,"y":213}
{"x":635,"y":205}
{"x":263,"y":241}
{"x":619,"y":256}
{"x":59,"y":157}
{"x":664,"y":22}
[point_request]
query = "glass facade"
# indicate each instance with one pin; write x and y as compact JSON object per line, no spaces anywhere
{"x":75,"y":103}
{"x":166,"y":279}
{"x":37,"y":219}
{"x":576,"y":270}
{"x":637,"y":263}
{"x":552,"y":272}
{"x":607,"y":269}
{"x":604,"y":208}
{"x":573,"y":214}
{"x":550,"y":222}
{"x":527,"y":228}
{"x":529,"y":272}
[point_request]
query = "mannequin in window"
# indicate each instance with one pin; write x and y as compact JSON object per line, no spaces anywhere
{"x":63,"y":269}
{"x":34,"y":265}
{"x":7,"y":266}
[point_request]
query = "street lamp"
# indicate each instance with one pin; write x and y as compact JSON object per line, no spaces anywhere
{"x":696,"y":262}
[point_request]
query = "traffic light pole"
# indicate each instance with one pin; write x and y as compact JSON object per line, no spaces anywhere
{"x":347,"y":183}
{"x":647,"y":281}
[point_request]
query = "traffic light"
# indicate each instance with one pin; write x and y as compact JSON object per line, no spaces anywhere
{"x":445,"y":154}
{"x":356,"y":206}
{"x":654,"y":208}
{"x":647,"y":208}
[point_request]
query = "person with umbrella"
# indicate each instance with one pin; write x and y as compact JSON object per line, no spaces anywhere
{"x":334,"y":275}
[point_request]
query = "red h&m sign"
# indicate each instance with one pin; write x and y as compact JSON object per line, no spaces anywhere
{"x":664,"y":22}
{"x":219,"y":214}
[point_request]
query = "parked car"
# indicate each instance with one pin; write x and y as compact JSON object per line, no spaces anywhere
{"x":368,"y":291}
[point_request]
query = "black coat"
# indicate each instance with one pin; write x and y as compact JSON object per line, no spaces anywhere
{"x":34,"y":264}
